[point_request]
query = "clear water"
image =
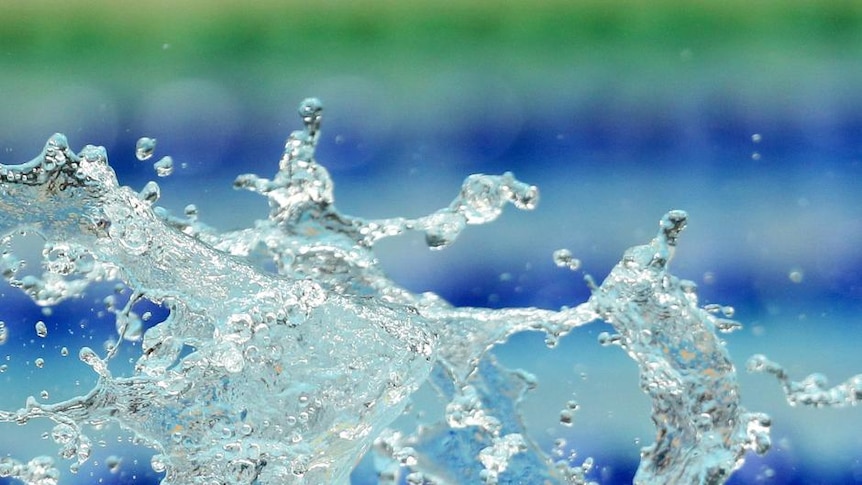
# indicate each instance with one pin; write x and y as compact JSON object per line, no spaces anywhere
{"x":283,"y":353}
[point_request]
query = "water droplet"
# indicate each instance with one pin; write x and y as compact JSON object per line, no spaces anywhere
{"x":755,"y":138}
{"x":796,"y":275}
{"x":41,"y":329}
{"x":563,"y":259}
{"x":606,"y":338}
{"x":159,"y":463}
{"x":144,"y":148}
{"x":311,"y":111}
{"x":39,"y":362}
{"x":150,"y":193}
{"x":113,"y":463}
{"x":63,"y":434}
{"x":164,"y":167}
{"x":64,"y":351}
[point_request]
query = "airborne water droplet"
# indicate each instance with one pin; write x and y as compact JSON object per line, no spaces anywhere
{"x":145,"y":147}
{"x":113,"y":463}
{"x":41,"y":329}
{"x":563,"y":258}
{"x":158,"y":463}
{"x":150,"y":193}
{"x":796,"y":275}
{"x":164,"y":167}
{"x":311,"y":110}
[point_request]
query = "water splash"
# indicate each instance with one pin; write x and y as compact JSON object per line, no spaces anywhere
{"x":256,"y":377}
{"x":813,"y":390}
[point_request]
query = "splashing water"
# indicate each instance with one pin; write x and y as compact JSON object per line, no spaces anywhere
{"x":291,"y":377}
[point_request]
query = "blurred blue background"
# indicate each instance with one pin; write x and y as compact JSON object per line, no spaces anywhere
{"x":748,"y":116}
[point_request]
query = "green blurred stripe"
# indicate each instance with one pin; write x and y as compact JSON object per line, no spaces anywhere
{"x":649,"y":50}
{"x":293,"y":33}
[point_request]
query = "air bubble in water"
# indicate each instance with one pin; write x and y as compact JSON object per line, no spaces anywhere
{"x":39,"y":362}
{"x":41,"y":329}
{"x":144,"y":148}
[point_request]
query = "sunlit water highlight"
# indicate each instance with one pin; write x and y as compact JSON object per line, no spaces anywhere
{"x":291,"y":375}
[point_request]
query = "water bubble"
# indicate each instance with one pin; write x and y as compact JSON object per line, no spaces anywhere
{"x":563,"y":258}
{"x":150,"y":193}
{"x":755,"y":138}
{"x":191,"y":211}
{"x":311,"y":111}
{"x":607,"y":338}
{"x":41,"y":329}
{"x":164,"y":167}
{"x":63,"y":433}
{"x":39,"y":362}
{"x":44,"y":394}
{"x":796,"y":275}
{"x":159,"y":463}
{"x":113,"y":463}
{"x":64,"y":351}
{"x":144,"y":148}
{"x":89,"y":357}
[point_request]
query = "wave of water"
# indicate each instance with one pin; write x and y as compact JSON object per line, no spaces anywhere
{"x":287,"y":353}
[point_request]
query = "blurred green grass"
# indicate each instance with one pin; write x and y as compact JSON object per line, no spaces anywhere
{"x":158,"y":38}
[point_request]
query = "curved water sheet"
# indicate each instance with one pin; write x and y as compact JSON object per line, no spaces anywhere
{"x":291,"y":376}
